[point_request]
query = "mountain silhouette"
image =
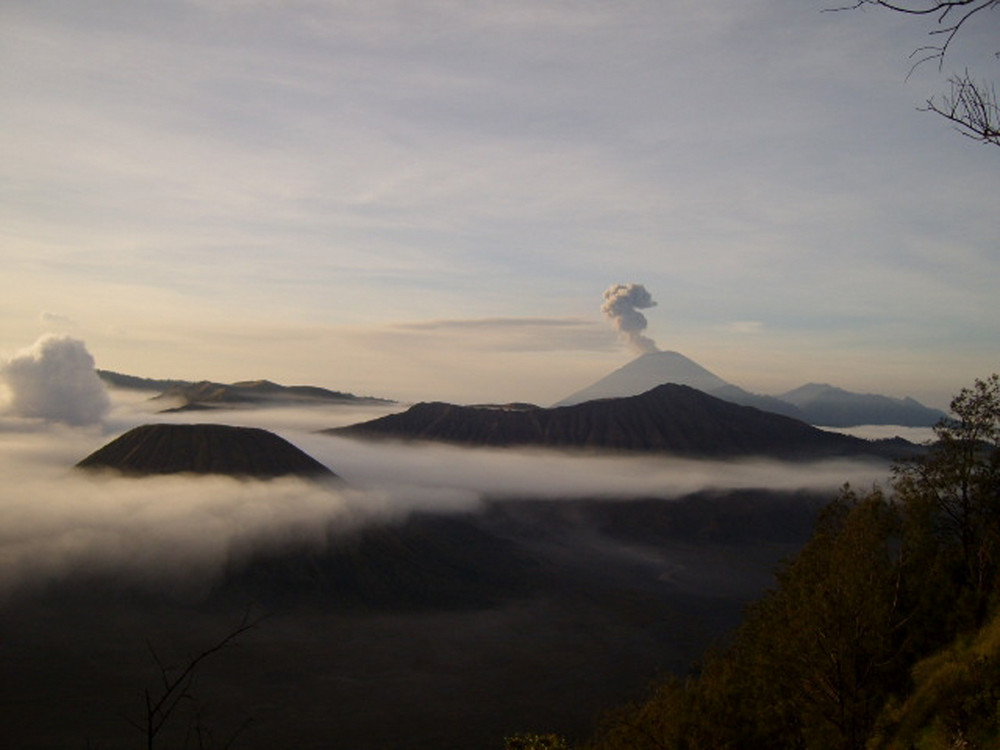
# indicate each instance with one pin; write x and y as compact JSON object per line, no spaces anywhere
{"x":645,"y":372}
{"x":670,"y":418}
{"x":204,"y":449}
{"x":817,"y":404}
{"x":824,"y":404}
{"x":207,"y":394}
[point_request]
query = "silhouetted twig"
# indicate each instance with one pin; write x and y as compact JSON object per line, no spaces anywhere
{"x":160,"y":705}
{"x":970,"y":105}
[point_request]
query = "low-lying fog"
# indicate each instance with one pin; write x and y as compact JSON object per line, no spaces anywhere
{"x":461,"y":629}
{"x":169,"y":528}
{"x":919,"y":435}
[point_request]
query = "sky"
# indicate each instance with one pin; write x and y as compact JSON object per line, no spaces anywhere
{"x":427,"y":199}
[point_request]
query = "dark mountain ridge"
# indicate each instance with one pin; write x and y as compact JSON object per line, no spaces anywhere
{"x":247,"y":452}
{"x":136,"y":383}
{"x":208,"y":394}
{"x":670,"y":418}
{"x":821,"y":405}
{"x":828,"y":405}
{"x":645,"y":372}
{"x":736,"y":395}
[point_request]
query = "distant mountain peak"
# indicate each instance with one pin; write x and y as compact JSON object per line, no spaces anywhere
{"x":206,"y":394}
{"x":810,"y":391}
{"x":827,"y":405}
{"x":646,"y":372}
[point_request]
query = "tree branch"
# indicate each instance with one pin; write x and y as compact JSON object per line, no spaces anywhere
{"x":176,"y":689}
{"x":972,"y":107}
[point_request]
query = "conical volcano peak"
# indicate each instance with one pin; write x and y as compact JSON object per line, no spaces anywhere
{"x":646,"y":372}
{"x":204,"y":449}
{"x":676,"y":367}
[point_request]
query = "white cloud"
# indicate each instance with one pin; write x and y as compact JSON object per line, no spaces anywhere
{"x":54,"y":379}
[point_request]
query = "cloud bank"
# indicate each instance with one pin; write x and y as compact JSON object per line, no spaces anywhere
{"x":179,"y":534}
{"x":54,"y":379}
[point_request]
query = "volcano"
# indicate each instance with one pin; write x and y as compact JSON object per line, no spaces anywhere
{"x":657,"y":368}
{"x":247,"y":452}
{"x":645,"y":373}
{"x":817,"y":404}
{"x":670,"y":418}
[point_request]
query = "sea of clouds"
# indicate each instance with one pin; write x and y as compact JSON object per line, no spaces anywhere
{"x":172,"y":530}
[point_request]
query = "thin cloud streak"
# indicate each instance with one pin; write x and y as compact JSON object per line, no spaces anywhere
{"x":497,"y":323}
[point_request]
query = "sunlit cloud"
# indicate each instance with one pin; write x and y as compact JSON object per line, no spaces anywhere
{"x":54,"y":379}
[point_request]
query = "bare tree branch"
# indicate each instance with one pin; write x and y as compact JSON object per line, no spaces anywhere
{"x":972,"y":107}
{"x":966,"y":10}
{"x":176,"y":688}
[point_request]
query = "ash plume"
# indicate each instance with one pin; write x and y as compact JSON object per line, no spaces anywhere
{"x":622,"y":303}
{"x":54,"y":379}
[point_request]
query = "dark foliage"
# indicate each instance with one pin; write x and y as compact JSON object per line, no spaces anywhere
{"x":884,"y":631}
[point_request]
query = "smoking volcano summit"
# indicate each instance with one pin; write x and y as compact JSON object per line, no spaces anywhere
{"x":644,"y":373}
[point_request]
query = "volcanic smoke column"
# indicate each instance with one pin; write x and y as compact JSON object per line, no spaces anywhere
{"x":622,"y":303}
